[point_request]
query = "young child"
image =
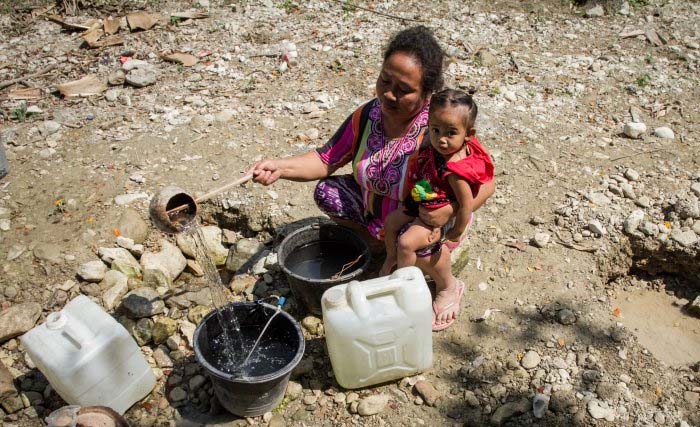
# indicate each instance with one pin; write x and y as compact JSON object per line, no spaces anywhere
{"x":450,"y":169}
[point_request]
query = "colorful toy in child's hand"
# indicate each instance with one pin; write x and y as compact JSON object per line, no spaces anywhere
{"x":423,"y":192}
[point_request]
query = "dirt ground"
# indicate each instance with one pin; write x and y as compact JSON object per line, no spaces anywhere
{"x":607,"y":313}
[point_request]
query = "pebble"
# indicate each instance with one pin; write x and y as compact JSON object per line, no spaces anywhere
{"x":7,"y":386}
{"x":566,"y":317}
{"x":196,"y":382}
{"x":685,"y":238}
{"x":294,"y":390}
{"x":211,"y":239}
{"x":632,"y":174}
{"x":597,"y":228}
{"x":121,"y":260}
{"x":277,"y":420}
{"x":177,"y":394}
{"x":313,"y":325}
{"x":633,"y":221}
{"x":162,"y":329}
{"x":695,"y":188}
{"x":600,"y":410}
{"x":664,"y":133}
{"x":117,"y":285}
{"x":540,"y":240}
{"x":162,"y":359}
{"x":5,"y":224}
{"x":530,"y":360}
{"x":428,"y":392}
{"x":18,"y":319}
{"x":660,"y":418}
{"x":372,"y":405}
{"x":143,"y":302}
{"x":635,"y":130}
{"x":131,"y":225}
{"x":509,"y":410}
{"x":92,"y":271}
{"x":595,"y":12}
{"x":126,"y":199}
{"x":540,"y":404}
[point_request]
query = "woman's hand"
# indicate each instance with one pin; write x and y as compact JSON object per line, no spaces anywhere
{"x":265,"y":172}
{"x":435,"y":217}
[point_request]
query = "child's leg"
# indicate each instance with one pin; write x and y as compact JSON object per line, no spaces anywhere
{"x":448,"y":289}
{"x":393,"y":223}
{"x":418,"y":236}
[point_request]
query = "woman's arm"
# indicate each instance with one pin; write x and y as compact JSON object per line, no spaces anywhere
{"x":304,"y":167}
{"x":465,"y":206}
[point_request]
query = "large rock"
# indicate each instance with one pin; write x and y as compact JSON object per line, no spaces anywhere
{"x":143,"y":302}
{"x":244,"y":253}
{"x":169,"y":262}
{"x":372,"y":405}
{"x":131,"y":225}
{"x":18,"y":319}
{"x":211,"y":240}
{"x":121,"y":260}
{"x":509,"y":410}
{"x":92,"y":271}
{"x":116,"y":284}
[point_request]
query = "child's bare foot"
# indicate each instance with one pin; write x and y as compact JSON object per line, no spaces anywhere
{"x":446,"y":306}
{"x":389,"y":263}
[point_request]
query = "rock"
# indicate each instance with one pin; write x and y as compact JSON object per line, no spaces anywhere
{"x":597,"y":228}
{"x":197,"y":313}
{"x":608,"y":391}
{"x":15,"y":251}
{"x":117,"y":285}
{"x":142,"y":331}
{"x":162,"y":359}
{"x":294,"y":390}
{"x":649,"y":228}
{"x":660,"y":418}
{"x":211,"y":238}
{"x":132,"y":226}
{"x":7,"y":385}
{"x":566,"y":317}
{"x":50,"y":127}
{"x":428,"y":392}
{"x":599,"y":199}
{"x":48,"y":252}
{"x":194,"y":268}
{"x":18,"y":319}
{"x":187,"y":330}
{"x":116,"y":78}
{"x":196,"y":382}
{"x":372,"y":405}
{"x":243,"y":252}
{"x":92,"y":271}
{"x":121,"y":260}
{"x":313,"y":325}
{"x":5,"y":224}
{"x":177,"y":394}
{"x":169,"y":261}
{"x":684,"y":238}
{"x":530,"y":360}
{"x":632,"y":174}
{"x":224,"y":116}
{"x":12,"y":404}
{"x":141,"y":77}
{"x":540,"y":404}
{"x":635,"y":130}
{"x":540,"y":240}
{"x":695,"y":188}
{"x":600,"y":410}
{"x":687,"y":209}
{"x":471,"y":399}
{"x":277,"y":420}
{"x":633,"y":221}
{"x":562,"y":400}
{"x":127,"y":199}
{"x":163,"y":329}
{"x":143,"y":302}
{"x":691,"y":397}
{"x":664,"y":132}
{"x":486,"y":58}
{"x":595,"y":12}
{"x":509,"y":410}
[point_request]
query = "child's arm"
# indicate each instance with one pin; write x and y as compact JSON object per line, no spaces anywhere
{"x":465,"y":206}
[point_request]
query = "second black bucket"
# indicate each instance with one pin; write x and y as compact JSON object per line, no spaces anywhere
{"x":261,"y":386}
{"x":320,"y":256}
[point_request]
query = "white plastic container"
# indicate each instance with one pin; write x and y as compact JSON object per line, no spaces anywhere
{"x":380,"y":329}
{"x":89,"y":358}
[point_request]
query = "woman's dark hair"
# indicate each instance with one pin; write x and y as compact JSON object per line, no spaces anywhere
{"x":456,"y":98}
{"x":421,"y":44}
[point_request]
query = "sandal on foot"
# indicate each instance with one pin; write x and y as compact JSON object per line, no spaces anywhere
{"x":452,"y":246}
{"x":437,"y":312}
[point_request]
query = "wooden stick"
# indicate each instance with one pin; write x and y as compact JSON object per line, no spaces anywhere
{"x":213,"y":193}
{"x":353,"y":5}
{"x":19,"y":79}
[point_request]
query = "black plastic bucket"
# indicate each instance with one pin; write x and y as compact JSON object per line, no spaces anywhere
{"x":313,"y":256}
{"x":262,"y":389}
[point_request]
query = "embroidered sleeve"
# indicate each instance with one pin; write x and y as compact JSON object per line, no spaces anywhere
{"x":340,"y":149}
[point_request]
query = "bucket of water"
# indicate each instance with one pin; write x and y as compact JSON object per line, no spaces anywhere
{"x":317,"y":257}
{"x":257,"y":386}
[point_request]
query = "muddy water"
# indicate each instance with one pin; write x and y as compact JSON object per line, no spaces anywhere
{"x":671,"y":335}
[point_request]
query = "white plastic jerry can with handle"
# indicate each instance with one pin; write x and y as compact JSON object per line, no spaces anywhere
{"x":89,"y":358}
{"x":380,"y":329}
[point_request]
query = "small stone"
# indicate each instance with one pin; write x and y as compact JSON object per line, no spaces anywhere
{"x":595,"y":12}
{"x":117,"y":285}
{"x":566,"y":317}
{"x":660,"y":418}
{"x":18,"y":319}
{"x":12,"y":404}
{"x":599,"y":199}
{"x":50,"y":127}
{"x":48,"y":252}
{"x":142,"y":331}
{"x":313,"y":325}
{"x":684,"y":238}
{"x":372,"y":405}
{"x":635,"y":130}
{"x":131,"y":225}
{"x":310,"y":399}
{"x":294,"y":390}
{"x":92,"y":271}
{"x":187,"y":330}
{"x":694,"y":307}
{"x":632,"y":174}
{"x":197,"y":313}
{"x":471,"y":399}
{"x":177,"y":394}
{"x":530,"y":360}
{"x":163,"y":329}
{"x":277,"y":421}
{"x":121,"y":260}
{"x":540,"y":240}
{"x":116,"y":78}
{"x":695,"y":188}
{"x":597,"y":228}
{"x":143,"y":302}
{"x":169,"y":261}
{"x":633,"y":221}
{"x":643,"y":202}
{"x":664,"y":132}
{"x":540,"y":404}
{"x":509,"y":410}
{"x":600,"y":410}
{"x":162,"y":359}
{"x":7,"y":386}
{"x":196,"y":382}
{"x":127,"y":199}
{"x":428,"y":392}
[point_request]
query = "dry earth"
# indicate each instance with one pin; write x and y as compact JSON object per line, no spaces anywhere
{"x":602,"y":306}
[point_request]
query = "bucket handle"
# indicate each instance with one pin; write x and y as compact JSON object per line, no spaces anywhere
{"x":360,"y":292}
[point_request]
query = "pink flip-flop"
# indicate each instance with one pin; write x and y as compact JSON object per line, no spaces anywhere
{"x":463,"y":237}
{"x":449,"y":306}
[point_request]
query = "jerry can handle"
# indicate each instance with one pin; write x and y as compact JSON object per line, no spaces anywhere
{"x":359,"y":292}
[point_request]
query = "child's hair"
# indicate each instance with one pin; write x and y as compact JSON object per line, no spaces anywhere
{"x":456,"y":98}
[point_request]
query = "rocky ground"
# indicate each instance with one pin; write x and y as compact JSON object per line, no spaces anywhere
{"x":583,"y":270}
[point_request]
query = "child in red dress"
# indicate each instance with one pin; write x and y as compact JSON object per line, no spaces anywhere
{"x":450,"y":169}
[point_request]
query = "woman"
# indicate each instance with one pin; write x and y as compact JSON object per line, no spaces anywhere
{"x":381,"y":139}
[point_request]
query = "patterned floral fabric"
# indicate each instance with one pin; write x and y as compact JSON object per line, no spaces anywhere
{"x":379,"y":165}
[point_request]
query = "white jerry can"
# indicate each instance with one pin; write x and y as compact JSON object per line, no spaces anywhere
{"x":380,"y":329}
{"x":89,"y":358}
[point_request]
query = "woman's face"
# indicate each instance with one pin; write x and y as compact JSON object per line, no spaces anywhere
{"x":399,"y":87}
